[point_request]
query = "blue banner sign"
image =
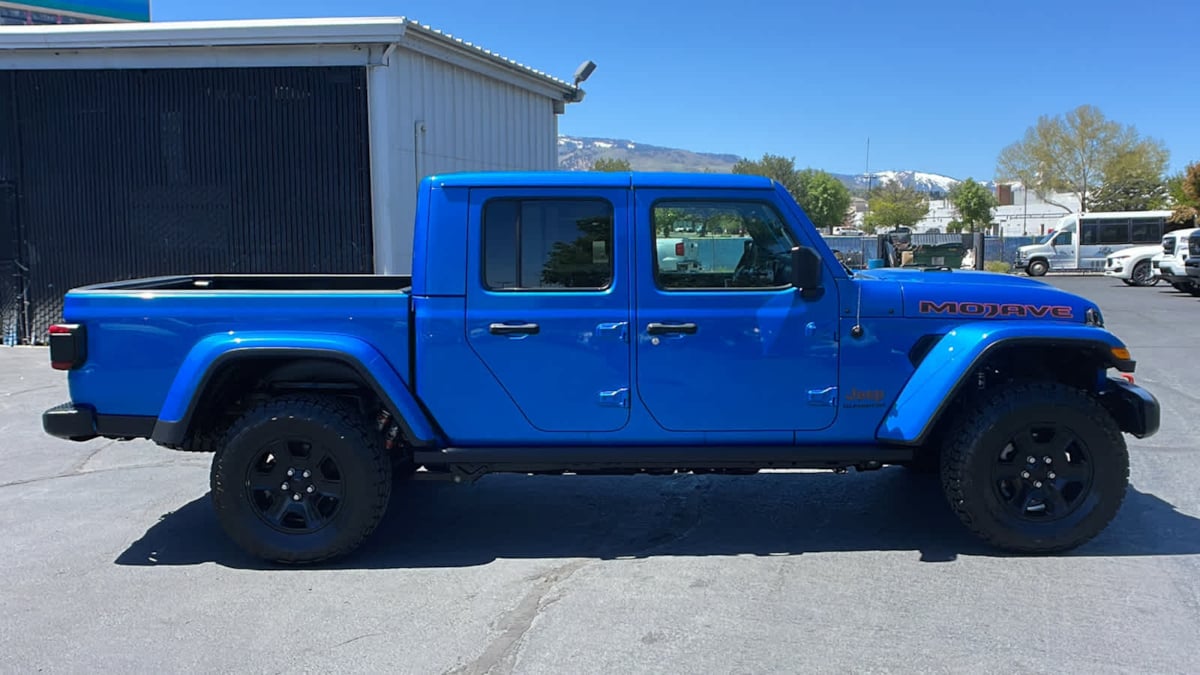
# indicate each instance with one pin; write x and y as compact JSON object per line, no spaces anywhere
{"x":122,"y":10}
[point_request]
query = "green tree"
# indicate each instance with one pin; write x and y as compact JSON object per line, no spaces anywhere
{"x":824,"y":198}
{"x":1070,"y":153}
{"x":776,"y":167}
{"x":893,"y":205}
{"x":1133,"y":181}
{"x":612,"y":164}
{"x":974,"y":204}
{"x":1184,"y":191}
{"x":583,"y":263}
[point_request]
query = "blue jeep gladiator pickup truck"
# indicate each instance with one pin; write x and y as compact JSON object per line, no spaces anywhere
{"x":539,"y":334}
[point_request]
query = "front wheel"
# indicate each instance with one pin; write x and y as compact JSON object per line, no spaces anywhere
{"x":1037,"y":268}
{"x":1036,"y":468}
{"x":1142,"y":275}
{"x":300,"y":479}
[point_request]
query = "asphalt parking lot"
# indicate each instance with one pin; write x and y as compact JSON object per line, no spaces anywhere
{"x":112,"y":561}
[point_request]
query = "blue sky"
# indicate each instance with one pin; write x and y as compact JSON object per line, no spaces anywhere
{"x":938,"y":86}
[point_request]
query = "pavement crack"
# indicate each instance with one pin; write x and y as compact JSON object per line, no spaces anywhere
{"x":500,"y":655}
{"x":79,"y":467}
{"x":31,"y":390}
{"x":355,"y":639}
{"x":75,"y":474}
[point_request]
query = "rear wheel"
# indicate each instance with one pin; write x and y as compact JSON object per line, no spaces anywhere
{"x":300,"y":479}
{"x":1036,"y":468}
{"x":1037,"y":268}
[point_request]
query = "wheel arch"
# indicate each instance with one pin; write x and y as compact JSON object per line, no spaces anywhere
{"x":210,"y":375}
{"x":950,"y":370}
{"x":1037,"y":259}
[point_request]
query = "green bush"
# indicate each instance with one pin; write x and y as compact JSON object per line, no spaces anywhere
{"x":997,"y":266}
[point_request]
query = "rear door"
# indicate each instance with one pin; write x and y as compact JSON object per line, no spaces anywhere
{"x":548,"y":302}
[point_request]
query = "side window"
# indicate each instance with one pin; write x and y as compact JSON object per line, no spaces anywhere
{"x":1146,"y":231}
{"x":547,"y":244}
{"x":1088,"y":233}
{"x":1114,"y":233}
{"x":1064,"y":238}
{"x":720,"y":245}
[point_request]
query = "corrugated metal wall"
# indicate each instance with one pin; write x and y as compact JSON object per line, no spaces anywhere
{"x":442,"y":118}
{"x":130,"y":173}
{"x":11,"y":281}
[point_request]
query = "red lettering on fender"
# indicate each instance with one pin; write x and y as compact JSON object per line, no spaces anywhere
{"x":990,"y":309}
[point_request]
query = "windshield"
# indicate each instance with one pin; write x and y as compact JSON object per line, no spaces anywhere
{"x":1046,"y":239}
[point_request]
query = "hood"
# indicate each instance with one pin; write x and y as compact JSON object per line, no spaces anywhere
{"x":1136,"y":250}
{"x":973,"y":294}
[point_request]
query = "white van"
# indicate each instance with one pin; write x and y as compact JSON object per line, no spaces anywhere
{"x":1084,"y":242}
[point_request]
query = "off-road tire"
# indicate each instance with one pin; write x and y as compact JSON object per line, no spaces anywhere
{"x":336,"y":432}
{"x":972,"y":452}
{"x":1037,"y":268}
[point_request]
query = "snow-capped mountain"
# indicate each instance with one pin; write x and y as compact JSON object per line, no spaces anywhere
{"x":933,"y":183}
{"x":576,"y":153}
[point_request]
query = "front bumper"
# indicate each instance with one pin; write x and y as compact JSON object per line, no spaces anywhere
{"x":1136,"y":410}
{"x":1193,"y":267}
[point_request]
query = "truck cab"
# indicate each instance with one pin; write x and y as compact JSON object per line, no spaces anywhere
{"x":547,"y":328}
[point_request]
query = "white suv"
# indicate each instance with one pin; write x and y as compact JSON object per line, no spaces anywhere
{"x":1168,"y":264}
{"x":1132,"y":265}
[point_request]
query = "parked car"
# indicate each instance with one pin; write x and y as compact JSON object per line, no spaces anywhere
{"x":537,"y":333}
{"x":1133,"y":265}
{"x":1170,"y":263}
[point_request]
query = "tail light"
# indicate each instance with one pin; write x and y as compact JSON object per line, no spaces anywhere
{"x":68,"y":346}
{"x":679,"y":248}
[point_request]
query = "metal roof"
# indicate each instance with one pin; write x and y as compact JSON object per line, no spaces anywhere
{"x":257,"y":32}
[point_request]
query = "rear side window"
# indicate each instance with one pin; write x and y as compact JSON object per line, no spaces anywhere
{"x":547,"y":244}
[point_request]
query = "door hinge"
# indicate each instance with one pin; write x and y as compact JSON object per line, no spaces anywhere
{"x":620,"y":329}
{"x":617,"y":398}
{"x":823,"y":397}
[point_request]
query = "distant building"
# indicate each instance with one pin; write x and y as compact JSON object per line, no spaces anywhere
{"x":1015,"y":217}
{"x":56,"y":12}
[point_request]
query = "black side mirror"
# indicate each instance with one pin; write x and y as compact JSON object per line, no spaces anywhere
{"x":806,"y":268}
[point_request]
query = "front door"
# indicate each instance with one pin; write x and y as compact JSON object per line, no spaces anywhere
{"x":730,"y":345}
{"x":548,"y":302}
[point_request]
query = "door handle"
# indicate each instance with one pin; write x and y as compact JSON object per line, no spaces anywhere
{"x":663,"y":328}
{"x":514,"y":328}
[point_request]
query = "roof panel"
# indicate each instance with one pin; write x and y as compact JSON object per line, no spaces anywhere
{"x":601,"y":179}
{"x":257,"y":32}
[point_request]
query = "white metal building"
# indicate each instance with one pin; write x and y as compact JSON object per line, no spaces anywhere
{"x":436,"y":103}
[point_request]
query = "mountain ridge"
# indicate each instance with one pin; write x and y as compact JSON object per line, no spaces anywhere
{"x":578,"y":153}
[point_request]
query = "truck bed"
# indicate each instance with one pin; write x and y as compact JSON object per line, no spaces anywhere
{"x":152,"y":331}
{"x":261,"y":282}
